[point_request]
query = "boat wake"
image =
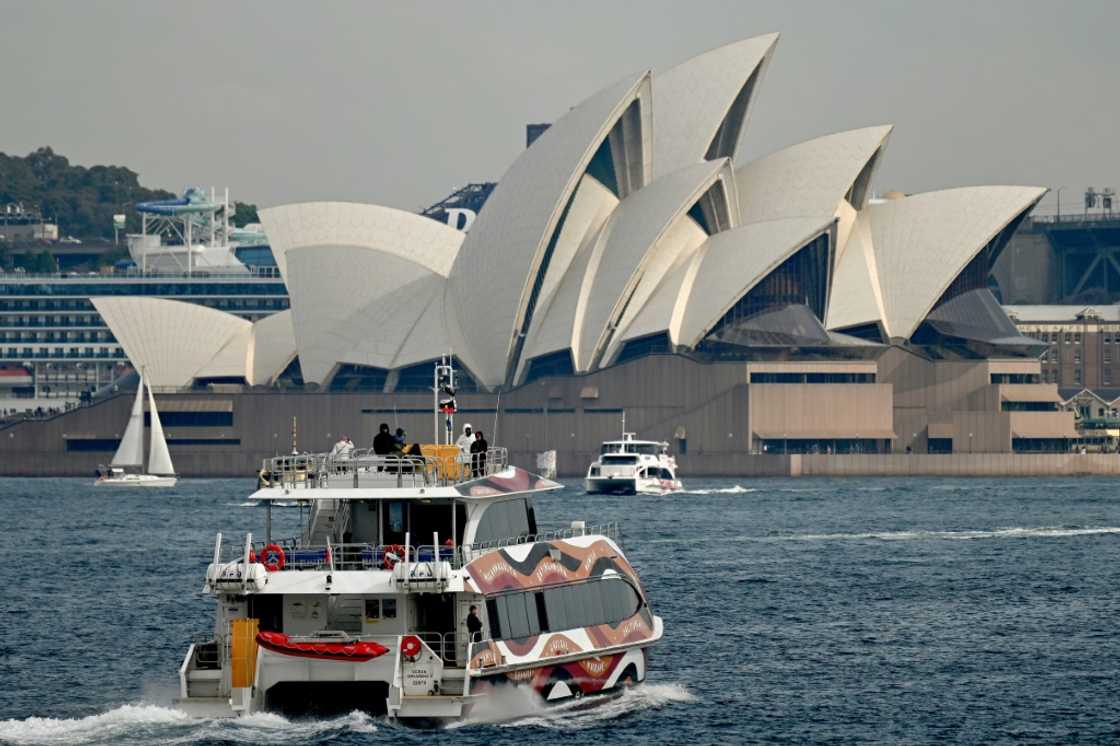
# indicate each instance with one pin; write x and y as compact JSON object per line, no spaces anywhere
{"x":736,"y":490}
{"x":518,"y":707}
{"x":145,"y":724}
{"x":998,"y":533}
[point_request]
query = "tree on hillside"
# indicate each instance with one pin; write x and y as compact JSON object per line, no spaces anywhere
{"x":81,"y":200}
{"x":244,"y":213}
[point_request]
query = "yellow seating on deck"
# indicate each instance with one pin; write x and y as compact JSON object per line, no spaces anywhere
{"x":444,"y":461}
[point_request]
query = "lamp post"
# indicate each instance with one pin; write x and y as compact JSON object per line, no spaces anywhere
{"x":1058,"y":194}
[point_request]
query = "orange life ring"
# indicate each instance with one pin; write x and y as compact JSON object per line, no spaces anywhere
{"x":388,"y":562}
{"x":272,"y":557}
{"x":411,"y":647}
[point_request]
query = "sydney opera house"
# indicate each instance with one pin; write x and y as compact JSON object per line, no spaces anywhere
{"x":632,"y":260}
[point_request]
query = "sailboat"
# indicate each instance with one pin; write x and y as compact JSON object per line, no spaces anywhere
{"x":130,"y":453}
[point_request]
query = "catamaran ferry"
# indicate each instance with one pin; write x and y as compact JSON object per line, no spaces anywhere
{"x":631,"y":466}
{"x":419,"y":584}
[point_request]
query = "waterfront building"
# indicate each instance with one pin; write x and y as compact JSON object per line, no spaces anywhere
{"x":631,"y":261}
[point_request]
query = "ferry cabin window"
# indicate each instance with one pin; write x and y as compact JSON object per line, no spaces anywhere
{"x":648,"y":449}
{"x":626,"y":459}
{"x":611,"y":448}
{"x":506,"y":519}
{"x":381,"y":608}
{"x":604,"y":601}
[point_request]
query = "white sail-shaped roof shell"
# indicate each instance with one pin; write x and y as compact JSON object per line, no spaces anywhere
{"x":360,"y":277}
{"x":428,"y":243}
{"x":857,"y":298}
{"x":704,"y":97}
{"x":172,"y":341}
{"x":732,"y":263}
{"x":924,"y":241}
{"x":640,"y":244}
{"x":503,"y":256}
{"x":273,"y":348}
{"x":810,"y":178}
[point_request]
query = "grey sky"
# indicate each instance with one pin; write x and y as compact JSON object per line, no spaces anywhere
{"x":399,"y":103}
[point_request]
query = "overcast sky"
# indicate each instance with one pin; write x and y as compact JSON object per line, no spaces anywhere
{"x":400,"y":103}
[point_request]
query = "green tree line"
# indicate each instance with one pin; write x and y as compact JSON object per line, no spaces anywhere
{"x":82,"y":200}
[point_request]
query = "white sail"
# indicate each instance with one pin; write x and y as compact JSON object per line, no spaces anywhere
{"x":159,"y":460}
{"x":131,"y":450}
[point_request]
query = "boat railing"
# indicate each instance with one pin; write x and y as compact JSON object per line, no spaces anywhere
{"x":610,"y":530}
{"x":364,"y":468}
{"x":441,"y":643}
{"x":354,"y":556}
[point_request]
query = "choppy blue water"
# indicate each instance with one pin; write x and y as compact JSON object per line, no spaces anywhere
{"x":795,"y":611}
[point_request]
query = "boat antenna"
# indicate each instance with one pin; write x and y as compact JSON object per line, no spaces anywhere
{"x":295,"y":449}
{"x":497,"y":408}
{"x":624,"y":422}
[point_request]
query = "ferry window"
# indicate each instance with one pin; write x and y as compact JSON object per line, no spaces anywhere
{"x":516,"y":619}
{"x":388,"y":608}
{"x":611,"y":448}
{"x":542,"y":611}
{"x":492,"y":617}
{"x":503,"y":520}
{"x":557,"y":607}
{"x":649,"y":449}
{"x":373,"y":608}
{"x":620,"y":459}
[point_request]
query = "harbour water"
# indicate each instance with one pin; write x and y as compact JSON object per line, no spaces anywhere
{"x":917,"y":610}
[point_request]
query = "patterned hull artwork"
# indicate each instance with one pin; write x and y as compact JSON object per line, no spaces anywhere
{"x":513,"y":480}
{"x":567,"y":617}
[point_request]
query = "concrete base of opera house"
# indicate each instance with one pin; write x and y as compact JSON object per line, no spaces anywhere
{"x":783,"y":418}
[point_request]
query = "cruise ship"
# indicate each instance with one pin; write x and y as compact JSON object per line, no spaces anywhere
{"x":418,"y":586}
{"x":56,"y":350}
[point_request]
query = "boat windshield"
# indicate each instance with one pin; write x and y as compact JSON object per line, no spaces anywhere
{"x":611,"y":448}
{"x":619,"y":459}
{"x":647,"y":449}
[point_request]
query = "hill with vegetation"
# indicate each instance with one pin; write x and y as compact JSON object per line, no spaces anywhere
{"x":81,"y":200}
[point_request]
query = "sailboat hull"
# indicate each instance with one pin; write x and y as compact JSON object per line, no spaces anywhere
{"x":137,"y":480}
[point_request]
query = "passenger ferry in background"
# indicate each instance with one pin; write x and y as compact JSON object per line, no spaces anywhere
{"x":418,"y":586}
{"x":631,"y":466}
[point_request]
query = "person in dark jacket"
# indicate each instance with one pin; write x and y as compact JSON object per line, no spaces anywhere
{"x":474,"y":625}
{"x":478,"y":454}
{"x":384,"y":443}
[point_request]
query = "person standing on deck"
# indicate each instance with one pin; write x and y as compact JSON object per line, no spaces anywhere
{"x":478,"y":455}
{"x":474,"y":625}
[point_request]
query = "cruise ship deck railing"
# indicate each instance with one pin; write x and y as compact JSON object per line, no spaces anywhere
{"x":363,"y":468}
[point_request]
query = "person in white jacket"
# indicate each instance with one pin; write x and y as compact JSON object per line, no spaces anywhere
{"x":464,"y":443}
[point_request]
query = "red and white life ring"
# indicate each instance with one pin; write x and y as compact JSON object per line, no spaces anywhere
{"x":272,"y":557}
{"x":411,"y":647}
{"x":393,"y":549}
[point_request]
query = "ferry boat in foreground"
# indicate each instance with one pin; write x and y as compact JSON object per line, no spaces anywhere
{"x":418,"y":586}
{"x":631,"y":466}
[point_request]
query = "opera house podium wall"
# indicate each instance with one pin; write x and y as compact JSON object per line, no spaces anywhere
{"x":718,"y":421}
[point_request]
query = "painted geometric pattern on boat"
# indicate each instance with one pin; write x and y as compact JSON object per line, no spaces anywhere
{"x":591,"y":675}
{"x":527,"y":566}
{"x":635,"y":630}
{"x":508,"y":482}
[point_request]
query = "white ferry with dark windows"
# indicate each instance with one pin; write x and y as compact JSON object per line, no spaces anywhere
{"x":631,"y":466}
{"x":417,"y":586}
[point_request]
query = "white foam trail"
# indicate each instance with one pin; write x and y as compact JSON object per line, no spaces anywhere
{"x":587,"y":713}
{"x":736,"y":490}
{"x":999,"y":533}
{"x":143,"y":723}
{"x":114,"y":724}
